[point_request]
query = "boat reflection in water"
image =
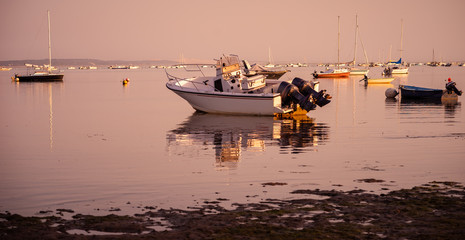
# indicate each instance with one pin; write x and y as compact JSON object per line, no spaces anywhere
{"x":39,"y":92}
{"x":230,"y":135}
{"x":424,"y":108}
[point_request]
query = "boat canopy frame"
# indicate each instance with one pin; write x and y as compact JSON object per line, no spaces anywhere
{"x":190,"y":79}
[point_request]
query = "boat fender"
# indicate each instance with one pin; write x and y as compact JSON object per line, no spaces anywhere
{"x":391,"y":93}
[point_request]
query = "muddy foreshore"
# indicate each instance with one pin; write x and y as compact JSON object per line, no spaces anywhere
{"x":432,"y":211}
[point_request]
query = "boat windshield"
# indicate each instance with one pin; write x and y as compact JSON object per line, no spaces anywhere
{"x":228,"y":63}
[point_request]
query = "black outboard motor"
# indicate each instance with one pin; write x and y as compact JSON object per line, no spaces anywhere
{"x":450,"y":87}
{"x":387,"y":71}
{"x":290,"y":94}
{"x":320,"y":98}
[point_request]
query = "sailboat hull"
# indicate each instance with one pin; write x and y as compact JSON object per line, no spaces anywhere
{"x":40,"y":78}
{"x":359,"y":71}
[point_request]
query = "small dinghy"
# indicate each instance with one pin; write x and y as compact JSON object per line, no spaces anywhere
{"x":421,"y":93}
{"x":377,"y":80}
{"x":407,"y":91}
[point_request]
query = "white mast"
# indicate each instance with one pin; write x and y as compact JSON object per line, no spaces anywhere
{"x":356,"y":33}
{"x":338,"y":35}
{"x":401,"y":36}
{"x":49,"y":44}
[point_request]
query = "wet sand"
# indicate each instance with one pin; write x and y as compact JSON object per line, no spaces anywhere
{"x":431,"y":211}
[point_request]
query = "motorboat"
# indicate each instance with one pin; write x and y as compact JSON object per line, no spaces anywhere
{"x":332,"y":73}
{"x":268,"y":72}
{"x":395,"y":70}
{"x":231,"y":92}
{"x":399,"y":70}
{"x":413,"y":92}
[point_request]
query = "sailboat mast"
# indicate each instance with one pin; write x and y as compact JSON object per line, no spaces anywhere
{"x":356,"y":33}
{"x":269,"y":55}
{"x":401,"y":36}
{"x":49,"y":44}
{"x":390,"y":50}
{"x":433,"y":56}
{"x":338,"y":35}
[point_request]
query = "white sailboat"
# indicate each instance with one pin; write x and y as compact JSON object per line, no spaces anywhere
{"x":354,"y":70}
{"x":399,"y":67}
{"x":270,"y":63}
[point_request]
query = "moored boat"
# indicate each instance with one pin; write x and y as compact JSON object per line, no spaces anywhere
{"x":399,"y":70}
{"x":353,"y":70}
{"x":377,"y":80}
{"x":231,"y":92}
{"x":332,"y":73}
{"x":268,"y":72}
{"x":44,"y":76}
{"x":357,"y":71}
{"x":413,"y":92}
{"x":408,"y":91}
{"x":39,"y":77}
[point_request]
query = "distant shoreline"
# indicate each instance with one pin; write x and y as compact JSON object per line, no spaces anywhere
{"x":106,"y":63}
{"x":85,"y":62}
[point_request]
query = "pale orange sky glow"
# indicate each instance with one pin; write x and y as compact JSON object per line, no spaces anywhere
{"x":294,"y":30}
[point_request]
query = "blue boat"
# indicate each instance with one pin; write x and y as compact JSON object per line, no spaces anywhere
{"x":413,"y":92}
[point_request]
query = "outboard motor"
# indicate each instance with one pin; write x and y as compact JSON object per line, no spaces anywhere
{"x":387,"y":71}
{"x":320,"y":98}
{"x":290,"y":94}
{"x":450,"y":87}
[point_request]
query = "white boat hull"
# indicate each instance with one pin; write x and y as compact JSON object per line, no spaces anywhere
{"x":359,"y":71}
{"x":230,"y":103}
{"x":380,"y":80}
{"x":400,"y":71}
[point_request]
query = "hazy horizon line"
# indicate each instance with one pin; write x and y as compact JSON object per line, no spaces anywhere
{"x":186,"y":60}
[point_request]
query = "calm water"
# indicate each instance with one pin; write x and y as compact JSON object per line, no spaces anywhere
{"x":91,"y":145}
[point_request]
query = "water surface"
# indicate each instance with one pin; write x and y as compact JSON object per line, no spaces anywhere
{"x":92,"y":145}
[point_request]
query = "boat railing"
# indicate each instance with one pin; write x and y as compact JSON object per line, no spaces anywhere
{"x":194,"y":83}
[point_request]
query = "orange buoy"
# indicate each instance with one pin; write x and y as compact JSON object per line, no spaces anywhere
{"x":125,"y":81}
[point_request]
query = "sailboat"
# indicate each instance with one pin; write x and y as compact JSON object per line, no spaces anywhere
{"x":399,"y":68}
{"x":353,"y":70}
{"x":42,"y":76}
{"x":338,"y":72}
{"x":433,"y":63}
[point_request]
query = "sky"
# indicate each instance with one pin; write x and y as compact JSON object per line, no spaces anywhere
{"x":291,"y":30}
